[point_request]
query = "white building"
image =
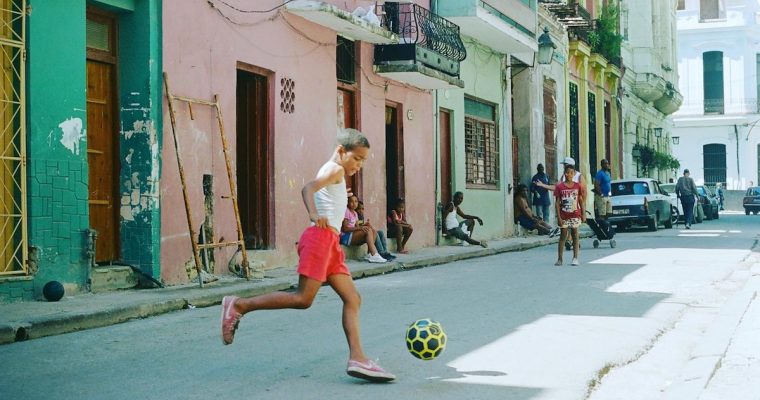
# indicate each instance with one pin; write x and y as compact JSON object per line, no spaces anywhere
{"x":719,"y":63}
{"x":649,"y":84}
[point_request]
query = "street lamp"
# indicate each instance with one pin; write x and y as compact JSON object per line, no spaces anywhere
{"x":676,"y":139}
{"x":657,"y":132}
{"x":545,"y":47}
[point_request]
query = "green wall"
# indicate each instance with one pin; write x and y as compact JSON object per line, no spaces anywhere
{"x":58,"y":175}
{"x":482,"y":74}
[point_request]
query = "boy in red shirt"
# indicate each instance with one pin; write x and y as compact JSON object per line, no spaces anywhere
{"x":569,"y":203}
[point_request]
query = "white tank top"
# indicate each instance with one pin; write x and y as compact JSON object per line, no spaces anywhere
{"x":451,"y":219}
{"x":331,"y":200}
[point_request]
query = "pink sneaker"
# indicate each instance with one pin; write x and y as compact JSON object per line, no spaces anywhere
{"x":368,"y":370}
{"x":230,"y":319}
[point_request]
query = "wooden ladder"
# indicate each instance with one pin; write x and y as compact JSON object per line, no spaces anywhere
{"x":240,"y":243}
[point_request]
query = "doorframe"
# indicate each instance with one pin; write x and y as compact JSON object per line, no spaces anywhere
{"x":449,"y":147}
{"x":270,"y":162}
{"x":399,"y":139}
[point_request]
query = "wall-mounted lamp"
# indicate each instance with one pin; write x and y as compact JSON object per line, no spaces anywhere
{"x":545,"y":48}
{"x":676,"y":139}
{"x":636,"y":153}
{"x":657,"y":132}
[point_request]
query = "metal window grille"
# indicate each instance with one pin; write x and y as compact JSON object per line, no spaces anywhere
{"x":481,"y":152}
{"x":13,"y":215}
{"x":592,"y":145}
{"x":345,"y":60}
{"x":575,"y":131}
{"x":714,"y":158}
{"x":550,"y":123}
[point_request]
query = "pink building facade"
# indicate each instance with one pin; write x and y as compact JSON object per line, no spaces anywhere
{"x":276,"y":77}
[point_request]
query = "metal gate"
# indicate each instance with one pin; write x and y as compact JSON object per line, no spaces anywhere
{"x":13,"y":213}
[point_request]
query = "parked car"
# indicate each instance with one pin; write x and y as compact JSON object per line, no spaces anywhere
{"x":752,"y":200}
{"x":710,"y":202}
{"x":640,"y":201}
{"x":670,"y":189}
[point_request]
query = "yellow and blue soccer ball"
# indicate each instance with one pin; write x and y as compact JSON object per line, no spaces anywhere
{"x":425,"y":339}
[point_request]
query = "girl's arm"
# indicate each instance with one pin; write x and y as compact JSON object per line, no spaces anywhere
{"x":332,"y":176}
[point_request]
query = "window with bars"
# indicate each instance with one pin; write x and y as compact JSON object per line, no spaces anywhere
{"x":550,"y":122}
{"x":345,"y":56}
{"x":714,"y":158}
{"x":712,"y":79}
{"x":711,"y":9}
{"x":481,"y":141}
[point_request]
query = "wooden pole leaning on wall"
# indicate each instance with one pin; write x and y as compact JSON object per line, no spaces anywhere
{"x":240,"y":243}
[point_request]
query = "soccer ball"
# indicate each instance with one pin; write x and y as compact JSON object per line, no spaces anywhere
{"x":425,"y":339}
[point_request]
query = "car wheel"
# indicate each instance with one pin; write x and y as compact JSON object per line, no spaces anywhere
{"x":700,"y":215}
{"x":755,"y":212}
{"x":746,"y":211}
{"x":613,"y":243}
{"x":717,"y":214}
{"x":669,"y":221}
{"x":707,"y":215}
{"x":653,"y":223}
{"x":596,"y":243}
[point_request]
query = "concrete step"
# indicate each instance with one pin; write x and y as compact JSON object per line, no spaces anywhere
{"x":108,"y":278}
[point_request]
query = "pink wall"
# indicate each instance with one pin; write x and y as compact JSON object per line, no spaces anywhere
{"x":202,"y":61}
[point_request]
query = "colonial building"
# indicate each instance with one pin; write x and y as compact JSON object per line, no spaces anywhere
{"x":650,"y":92}
{"x":719,"y":64}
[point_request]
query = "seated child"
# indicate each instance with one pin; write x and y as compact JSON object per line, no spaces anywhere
{"x":525,"y":216}
{"x":398,"y":227}
{"x":355,"y":235}
{"x":380,"y":243}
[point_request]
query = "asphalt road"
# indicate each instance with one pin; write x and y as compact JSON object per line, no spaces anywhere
{"x":518,"y":328}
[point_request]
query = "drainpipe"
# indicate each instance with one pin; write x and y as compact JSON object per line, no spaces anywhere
{"x":738,"y":173}
{"x":436,"y":167}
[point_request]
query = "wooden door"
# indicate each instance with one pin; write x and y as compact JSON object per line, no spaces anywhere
{"x":102,"y":135}
{"x":254,"y":159}
{"x":445,"y":149}
{"x":394,"y":155}
{"x":347,"y":118}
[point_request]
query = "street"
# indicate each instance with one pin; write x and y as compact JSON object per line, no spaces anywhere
{"x":518,"y":328}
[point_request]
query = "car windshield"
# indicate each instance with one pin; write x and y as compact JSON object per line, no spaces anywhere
{"x":755,"y":191}
{"x":628,"y":188}
{"x":701,"y":191}
{"x":668,"y":187}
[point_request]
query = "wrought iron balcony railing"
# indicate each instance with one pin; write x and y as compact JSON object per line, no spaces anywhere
{"x":415,"y":24}
{"x":570,"y":13}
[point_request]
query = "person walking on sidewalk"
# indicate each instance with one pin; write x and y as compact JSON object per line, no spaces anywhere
{"x":686,"y":190}
{"x":570,"y":208}
{"x":321,"y":258}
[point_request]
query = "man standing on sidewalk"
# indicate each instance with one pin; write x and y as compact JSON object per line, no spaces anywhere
{"x":686,"y":190}
{"x":603,"y":191}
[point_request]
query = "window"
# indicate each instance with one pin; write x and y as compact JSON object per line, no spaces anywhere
{"x":681,"y":5}
{"x":481,"y":145}
{"x":629,"y":188}
{"x":550,"y":123}
{"x":757,"y":81}
{"x":711,"y":9}
{"x":575,"y":132}
{"x":592,"y":146}
{"x":712,"y":78}
{"x":714,"y":157}
{"x":345,"y":56}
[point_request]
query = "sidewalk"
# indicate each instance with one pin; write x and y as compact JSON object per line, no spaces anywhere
{"x":35,"y":319}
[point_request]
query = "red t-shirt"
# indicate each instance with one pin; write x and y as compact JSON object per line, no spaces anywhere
{"x":569,"y":199}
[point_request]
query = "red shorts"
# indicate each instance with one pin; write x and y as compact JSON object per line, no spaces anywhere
{"x":320,"y":254}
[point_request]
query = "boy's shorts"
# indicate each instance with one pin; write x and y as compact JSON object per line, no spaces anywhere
{"x":573,"y":223}
{"x":345,"y":238}
{"x":320,"y":254}
{"x":526,"y":222}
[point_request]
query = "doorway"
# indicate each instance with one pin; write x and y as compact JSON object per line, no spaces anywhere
{"x":394,"y":155}
{"x":254,"y":158}
{"x":348,"y":118}
{"x":445,"y":149}
{"x":103,"y":132}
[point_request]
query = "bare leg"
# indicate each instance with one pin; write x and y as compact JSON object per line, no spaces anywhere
{"x":470,"y":223}
{"x":398,"y":233}
{"x":300,"y":299}
{"x":576,"y":242}
{"x":344,"y":287}
{"x":406,"y":232}
{"x":561,"y":246}
{"x":360,"y":237}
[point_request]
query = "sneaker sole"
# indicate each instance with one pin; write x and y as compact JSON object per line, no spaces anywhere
{"x":221,"y":322}
{"x":366,"y":376}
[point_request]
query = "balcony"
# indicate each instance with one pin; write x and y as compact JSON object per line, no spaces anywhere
{"x":429,"y":50}
{"x":649,"y":87}
{"x":507,"y":26}
{"x":670,"y":102}
{"x":570,"y":13}
{"x":343,"y":22}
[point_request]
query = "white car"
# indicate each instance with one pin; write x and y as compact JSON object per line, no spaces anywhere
{"x":640,"y":201}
